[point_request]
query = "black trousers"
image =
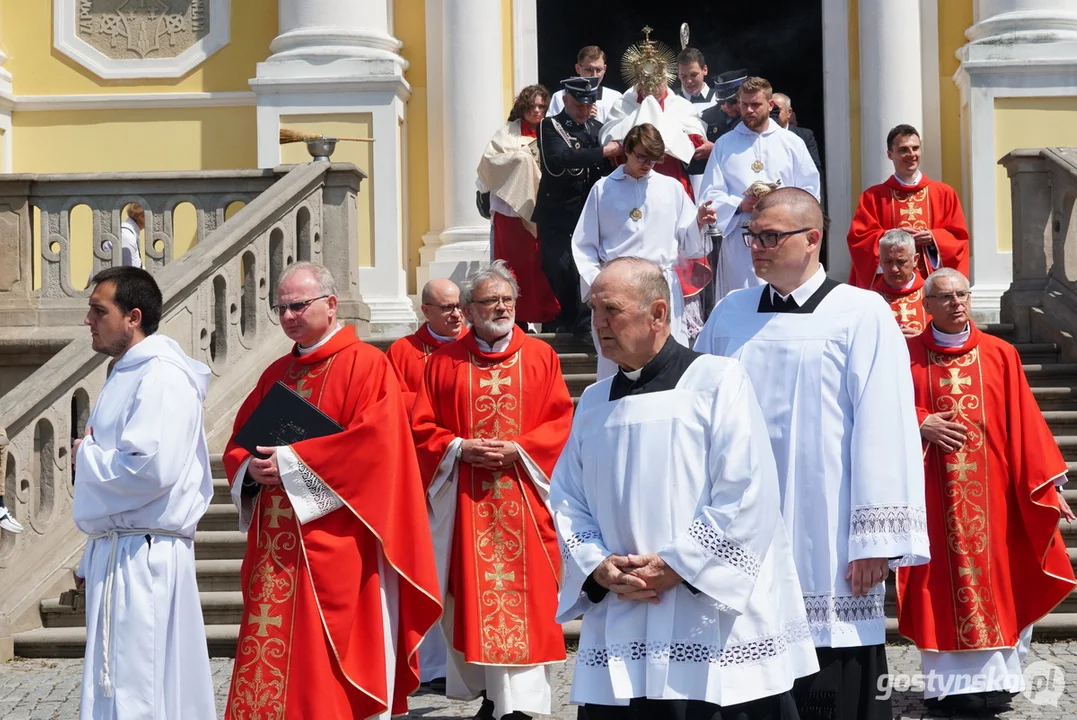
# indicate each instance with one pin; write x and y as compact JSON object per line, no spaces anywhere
{"x":775,"y":707}
{"x":555,"y":246}
{"x":846,"y":686}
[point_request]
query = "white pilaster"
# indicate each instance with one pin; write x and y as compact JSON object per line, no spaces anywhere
{"x":7,"y":104}
{"x":339,"y":56}
{"x":887,"y":97}
{"x":1017,"y":48}
{"x":464,"y":56}
{"x":839,"y":152}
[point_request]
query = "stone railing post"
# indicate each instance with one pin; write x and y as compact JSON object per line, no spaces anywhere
{"x":340,"y":250}
{"x":16,"y":247}
{"x":1033,"y":246}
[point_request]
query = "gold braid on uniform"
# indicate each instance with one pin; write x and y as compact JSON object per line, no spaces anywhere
{"x":649,"y":65}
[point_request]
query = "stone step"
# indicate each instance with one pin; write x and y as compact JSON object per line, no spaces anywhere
{"x":218,"y":608}
{"x":1061,"y":422}
{"x":220,"y":516}
{"x":579,"y":382}
{"x":1037,"y":353}
{"x":222,"y":492}
{"x":578,"y":363}
{"x":1055,"y":397}
{"x":1051,"y":373}
{"x":70,"y":642}
{"x":219,"y":545}
{"x":219,"y":575}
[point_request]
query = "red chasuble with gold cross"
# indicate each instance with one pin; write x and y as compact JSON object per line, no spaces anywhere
{"x":505,"y":565}
{"x":311,"y":644}
{"x":408,"y":356}
{"x":906,"y":304}
{"x":998,"y":562}
{"x":928,"y":205}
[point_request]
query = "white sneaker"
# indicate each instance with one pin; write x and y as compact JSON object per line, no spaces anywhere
{"x":8,"y":522}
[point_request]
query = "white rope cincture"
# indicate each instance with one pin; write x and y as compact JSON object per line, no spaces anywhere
{"x":106,"y":601}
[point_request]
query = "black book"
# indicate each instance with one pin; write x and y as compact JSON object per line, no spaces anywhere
{"x":284,"y":417}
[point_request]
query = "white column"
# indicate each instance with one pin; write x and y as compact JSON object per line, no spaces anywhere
{"x":1017,"y":48}
{"x":890,"y":79}
{"x":340,"y":57}
{"x":464,"y":55}
{"x":7,"y":102}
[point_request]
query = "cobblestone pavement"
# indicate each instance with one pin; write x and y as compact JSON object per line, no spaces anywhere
{"x":49,"y":689}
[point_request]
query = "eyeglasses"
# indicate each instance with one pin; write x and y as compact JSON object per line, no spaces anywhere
{"x":495,"y":301}
{"x":296,"y":307}
{"x":767,"y":239}
{"x":447,"y":309}
{"x":950,"y":298}
{"x":643,"y":160}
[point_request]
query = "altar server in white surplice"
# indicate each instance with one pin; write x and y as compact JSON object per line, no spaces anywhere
{"x":636,"y":211}
{"x":830,"y":369}
{"x":667,"y":509}
{"x":757,"y":150}
{"x":142,"y":483}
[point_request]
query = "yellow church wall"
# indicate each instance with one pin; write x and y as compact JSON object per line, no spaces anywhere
{"x":360,"y":153}
{"x":412,"y":34}
{"x":74,"y":141}
{"x":1030,"y":122}
{"x":38,"y":69}
{"x":507,"y":61}
{"x":955,"y":16}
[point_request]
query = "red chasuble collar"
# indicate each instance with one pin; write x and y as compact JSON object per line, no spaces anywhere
{"x":427,"y":337}
{"x":894,"y":184}
{"x":882,"y":287}
{"x":932,"y":344}
{"x":343,"y":338}
{"x":471,"y":342}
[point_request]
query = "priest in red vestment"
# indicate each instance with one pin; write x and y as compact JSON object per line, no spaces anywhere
{"x":509,"y":170}
{"x":444,"y":324}
{"x":899,"y":283}
{"x":339,"y":582}
{"x":490,"y":422}
{"x":998,"y":561}
{"x":930,"y":210}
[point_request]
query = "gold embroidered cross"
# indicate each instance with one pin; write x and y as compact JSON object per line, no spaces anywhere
{"x":956,"y":381}
{"x":498,"y":484}
{"x":499,"y":576}
{"x":302,"y":390}
{"x":962,"y":467}
{"x":275,"y":512}
{"x":494,"y":382}
{"x":904,"y":312}
{"x":264,"y":620}
{"x":972,"y":572}
{"x":910,"y":212}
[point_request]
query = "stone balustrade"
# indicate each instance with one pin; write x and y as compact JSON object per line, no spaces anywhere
{"x":1042,"y":301}
{"x":217,"y":306}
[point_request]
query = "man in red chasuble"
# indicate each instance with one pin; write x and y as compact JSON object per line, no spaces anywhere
{"x":444,"y":323}
{"x":899,"y":283}
{"x":489,"y":422}
{"x":928,"y":209}
{"x":339,"y":582}
{"x":998,"y":562}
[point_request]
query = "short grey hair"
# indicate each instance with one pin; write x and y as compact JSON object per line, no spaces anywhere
{"x":497,"y":270}
{"x":647,"y":279}
{"x":897,"y":238}
{"x":783,"y":99}
{"x":941,"y":274}
{"x":327,"y":285}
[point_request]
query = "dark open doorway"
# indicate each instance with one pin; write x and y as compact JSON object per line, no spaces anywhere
{"x":781,"y":41}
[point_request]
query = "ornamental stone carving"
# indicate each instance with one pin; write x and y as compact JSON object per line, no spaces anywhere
{"x":140,"y":38}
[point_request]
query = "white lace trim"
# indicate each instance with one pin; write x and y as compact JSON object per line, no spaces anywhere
{"x":741,"y":558}
{"x":752,"y":652}
{"x":573,"y":541}
{"x":885,"y":523}
{"x":830,"y":610}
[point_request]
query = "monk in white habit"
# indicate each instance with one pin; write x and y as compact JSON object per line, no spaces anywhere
{"x":900,"y":285}
{"x":754,"y":157}
{"x":828,"y":365}
{"x":639,"y":212}
{"x":142,"y":483}
{"x":993,"y":470}
{"x":692,"y":612}
{"x":490,"y":421}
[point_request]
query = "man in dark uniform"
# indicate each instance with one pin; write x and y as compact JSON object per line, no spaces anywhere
{"x":724,"y":116}
{"x":572,"y":160}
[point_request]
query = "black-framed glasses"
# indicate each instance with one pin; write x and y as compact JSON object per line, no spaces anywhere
{"x":768,"y":239}
{"x":296,"y":307}
{"x":948,"y":298}
{"x":495,"y":301}
{"x":447,"y":309}
{"x":644,"y":160}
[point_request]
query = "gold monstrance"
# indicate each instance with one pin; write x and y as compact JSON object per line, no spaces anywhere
{"x":649,"y":65}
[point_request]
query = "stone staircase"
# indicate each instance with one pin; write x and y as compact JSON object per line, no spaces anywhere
{"x":219,"y":547}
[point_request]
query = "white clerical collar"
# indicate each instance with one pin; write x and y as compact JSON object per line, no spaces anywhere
{"x":915,"y":179}
{"x":951,"y":340}
{"x":441,"y":338}
{"x":499,"y":346}
{"x":803,"y":293}
{"x":308,"y":350}
{"x":770,"y":128}
{"x":632,"y":375}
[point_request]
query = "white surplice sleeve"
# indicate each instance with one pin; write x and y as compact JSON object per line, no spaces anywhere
{"x":716,"y":190}
{"x":151,"y":452}
{"x":806,"y":172}
{"x":722,"y":550}
{"x":690,"y":240}
{"x":586,"y":239}
{"x":578,"y":534}
{"x":888,"y":518}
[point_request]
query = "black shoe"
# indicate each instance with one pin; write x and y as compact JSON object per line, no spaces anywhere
{"x":486,"y":712}
{"x":516,"y":715}
{"x":981,"y":704}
